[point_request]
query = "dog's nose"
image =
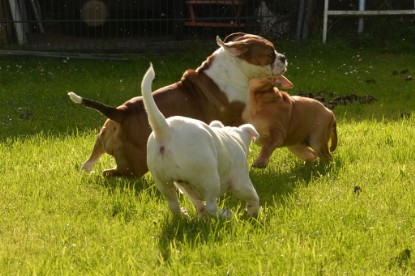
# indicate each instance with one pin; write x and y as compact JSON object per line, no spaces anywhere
{"x":282,"y":58}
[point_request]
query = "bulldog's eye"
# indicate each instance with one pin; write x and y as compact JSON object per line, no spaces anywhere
{"x":272,"y":56}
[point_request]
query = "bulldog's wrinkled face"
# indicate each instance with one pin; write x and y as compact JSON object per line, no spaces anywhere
{"x":257,"y":51}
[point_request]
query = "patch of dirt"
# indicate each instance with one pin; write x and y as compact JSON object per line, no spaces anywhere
{"x":331,"y":100}
{"x":405,"y":74}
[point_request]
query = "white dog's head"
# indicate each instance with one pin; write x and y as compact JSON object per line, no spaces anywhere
{"x":250,"y":132}
{"x":246,"y":132}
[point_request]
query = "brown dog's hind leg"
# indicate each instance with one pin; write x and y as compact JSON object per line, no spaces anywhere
{"x":324,"y":154}
{"x":103,"y":143}
{"x":303,"y":152}
{"x":112,"y":173}
{"x":96,"y":154}
{"x":320,"y":145}
{"x":127,"y":167}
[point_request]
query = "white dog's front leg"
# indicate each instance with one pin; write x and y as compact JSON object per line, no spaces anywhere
{"x":247,"y":193}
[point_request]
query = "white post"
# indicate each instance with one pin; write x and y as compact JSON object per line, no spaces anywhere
{"x":18,"y":24}
{"x":326,"y":7}
{"x":361,"y":19}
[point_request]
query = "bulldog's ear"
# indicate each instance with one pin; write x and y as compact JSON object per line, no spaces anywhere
{"x":250,"y":129}
{"x":283,"y":82}
{"x":216,"y":123}
{"x":234,"y":36}
{"x":234,"y":48}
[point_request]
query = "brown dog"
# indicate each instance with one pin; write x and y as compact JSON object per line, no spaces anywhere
{"x":217,"y":90}
{"x":302,"y":124}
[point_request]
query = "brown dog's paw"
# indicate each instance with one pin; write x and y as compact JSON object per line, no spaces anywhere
{"x":111,"y":173}
{"x":260,"y":164}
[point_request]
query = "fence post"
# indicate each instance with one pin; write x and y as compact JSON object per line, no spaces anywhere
{"x":18,"y":24}
{"x":361,"y":25}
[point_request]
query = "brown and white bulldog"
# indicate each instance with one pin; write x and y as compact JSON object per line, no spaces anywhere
{"x":217,"y":90}
{"x":301,"y":124}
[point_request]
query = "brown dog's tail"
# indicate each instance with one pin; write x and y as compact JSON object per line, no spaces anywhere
{"x":333,"y":136}
{"x":109,"y":111}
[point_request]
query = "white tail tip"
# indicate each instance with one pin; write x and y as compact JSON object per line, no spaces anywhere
{"x":75,"y":98}
{"x":151,"y":72}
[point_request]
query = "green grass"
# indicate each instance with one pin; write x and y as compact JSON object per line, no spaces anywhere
{"x":57,"y":220}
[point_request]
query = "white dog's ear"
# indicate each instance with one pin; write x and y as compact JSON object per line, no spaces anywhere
{"x":236,"y":48}
{"x":250,"y":129}
{"x":283,"y":82}
{"x":216,"y":123}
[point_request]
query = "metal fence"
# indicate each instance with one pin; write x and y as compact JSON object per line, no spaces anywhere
{"x":134,"y":25}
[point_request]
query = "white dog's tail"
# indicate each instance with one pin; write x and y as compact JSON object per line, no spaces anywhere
{"x":156,"y":119}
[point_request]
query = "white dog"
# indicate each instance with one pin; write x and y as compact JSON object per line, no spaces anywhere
{"x":202,"y":161}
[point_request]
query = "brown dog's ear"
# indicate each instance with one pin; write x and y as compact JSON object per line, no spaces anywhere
{"x":283,"y":82}
{"x":234,"y":36}
{"x":234,"y":48}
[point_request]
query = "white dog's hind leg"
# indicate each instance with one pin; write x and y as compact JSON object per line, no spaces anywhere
{"x":169,"y":191}
{"x":210,"y":190}
{"x":200,"y":205}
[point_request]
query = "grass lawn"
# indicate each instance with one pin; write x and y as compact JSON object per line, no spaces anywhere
{"x":355,"y":215}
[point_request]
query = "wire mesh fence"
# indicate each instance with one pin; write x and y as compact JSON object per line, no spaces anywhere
{"x":134,"y":25}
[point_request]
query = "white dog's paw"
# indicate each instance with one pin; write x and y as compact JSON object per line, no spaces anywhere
{"x":253,"y":211}
{"x":225,"y":214}
{"x":184,"y":212}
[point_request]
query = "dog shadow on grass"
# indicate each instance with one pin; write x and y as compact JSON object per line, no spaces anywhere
{"x":174,"y":233}
{"x":272,"y":186}
{"x":123,"y":194}
{"x":179,"y":235}
{"x":118,"y":183}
